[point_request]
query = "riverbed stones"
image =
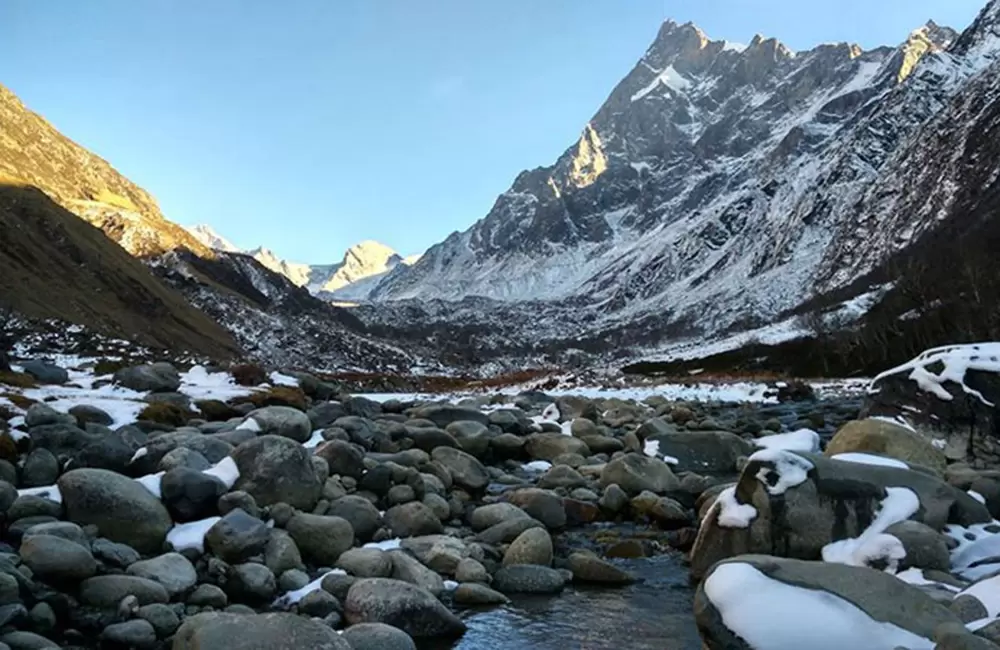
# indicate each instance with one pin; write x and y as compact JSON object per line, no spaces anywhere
{"x":400,"y":604}
{"x":528,"y":579}
{"x":122,"y":509}
{"x":58,"y":559}
{"x":547,"y":446}
{"x":321,"y":539}
{"x":412,"y":520}
{"x":106,"y":592}
{"x":543,"y":505}
{"x":466,"y":470}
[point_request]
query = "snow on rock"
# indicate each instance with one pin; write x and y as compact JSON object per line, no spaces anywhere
{"x":898,"y":420}
{"x":291,"y":597}
{"x":538,"y":466}
{"x":792,"y":469}
{"x":226,"y":471}
{"x":869,"y":459}
{"x":387,"y":545}
{"x":977,"y":549}
{"x":198,"y":383}
{"x":278,"y":379}
{"x":873,"y":544}
{"x":732,"y":513}
{"x":652,"y":449}
{"x":191,"y":536}
{"x":956,"y":360}
{"x":152,"y":482}
{"x":915,"y":577}
{"x":773,"y":615}
{"x":315,"y":440}
{"x":805,"y":440}
{"x":988,"y":593}
{"x":50,"y":492}
{"x":249,"y":424}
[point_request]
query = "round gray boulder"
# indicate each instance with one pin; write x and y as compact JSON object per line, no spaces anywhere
{"x":378,"y":636}
{"x":211,"y":631}
{"x":283,"y":421}
{"x":399,"y":604}
{"x":275,"y":469}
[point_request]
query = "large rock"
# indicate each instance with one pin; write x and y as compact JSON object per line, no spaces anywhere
{"x":106,"y":592}
{"x":492,"y":514}
{"x":321,"y":539}
{"x":442,"y":416}
{"x":237,"y":537}
{"x":466,"y":470}
{"x":378,"y":636}
{"x":546,"y":446}
{"x":154,"y":377}
{"x":283,"y":421}
{"x":57,"y":559}
{"x":704,"y":452}
{"x":636,"y":473}
{"x":122,"y":509}
{"x":399,"y":604}
{"x":216,"y":630}
{"x":360,"y":513}
{"x":274,"y":469}
{"x":590,"y":568}
{"x":172,"y":570}
{"x":189,"y":494}
{"x":528,"y":579}
{"x":950,"y":394}
{"x":887,"y":439}
{"x":45,"y":372}
{"x":472,"y":437}
{"x":793,"y":504}
{"x":440,"y":553}
{"x":873,"y":609}
{"x":543,"y":505}
{"x":412,"y":520}
{"x":407,"y":568}
{"x":533,"y":546}
{"x":343,"y":458}
{"x":366,"y":563}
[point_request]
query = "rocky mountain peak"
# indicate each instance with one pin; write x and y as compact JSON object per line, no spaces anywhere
{"x":209,"y":237}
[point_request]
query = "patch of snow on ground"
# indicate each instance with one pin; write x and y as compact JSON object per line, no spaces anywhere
{"x":792,"y":469}
{"x":278,"y":379}
{"x":916,"y":577}
{"x":977,"y":550}
{"x":956,"y":361}
{"x":290,"y":598}
{"x":651,"y":448}
{"x":987,"y":592}
{"x":198,"y":383}
{"x":538,"y":466}
{"x":978,"y":497}
{"x":191,"y":535}
{"x":315,"y":440}
{"x":772,"y":615}
{"x":732,"y":513}
{"x":387,"y":545}
{"x":869,"y":459}
{"x":805,"y":440}
{"x":122,"y":404}
{"x":249,"y":424}
{"x":152,"y":482}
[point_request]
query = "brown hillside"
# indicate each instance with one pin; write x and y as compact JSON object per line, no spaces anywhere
{"x":54,"y":265}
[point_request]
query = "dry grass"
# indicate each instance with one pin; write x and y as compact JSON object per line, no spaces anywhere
{"x":18,"y":380}
{"x":165,"y":413}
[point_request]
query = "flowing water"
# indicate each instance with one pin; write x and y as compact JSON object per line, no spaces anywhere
{"x":654,"y":614}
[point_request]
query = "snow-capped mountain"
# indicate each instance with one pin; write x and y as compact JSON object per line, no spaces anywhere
{"x":353,"y":278}
{"x":717,"y":187}
{"x":207,"y":236}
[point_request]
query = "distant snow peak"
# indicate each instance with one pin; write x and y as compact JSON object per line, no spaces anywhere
{"x":207,"y":236}
{"x":668,"y":77}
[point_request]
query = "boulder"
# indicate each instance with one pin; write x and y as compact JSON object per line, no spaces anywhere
{"x":45,"y":372}
{"x":360,"y":513}
{"x":547,"y":446}
{"x":486,"y":516}
{"x":57,"y":559}
{"x":274,"y":469}
{"x":251,"y":582}
{"x":442,"y":416}
{"x":872,"y":609}
{"x":321,"y":538}
{"x":636,"y":473}
{"x":465,"y":469}
{"x":154,"y":377}
{"x":122,"y":509}
{"x":407,"y":568}
{"x":366,"y":563}
{"x":172,"y":570}
{"x":533,"y":546}
{"x":412,"y":520}
{"x":377,"y":636}
{"x":216,"y":630}
{"x":793,"y":504}
{"x":873,"y":436}
{"x":400,"y":604}
{"x":440,"y":553}
{"x":948,"y":394}
{"x":237,"y":537}
{"x":476,"y":595}
{"x":283,"y":421}
{"x":106,"y":592}
{"x":704,"y":452}
{"x":528,"y":579}
{"x":543,"y":505}
{"x":472,"y":437}
{"x":590,"y":568}
{"x":343,"y":458}
{"x":137,"y":633}
{"x":189,"y":494}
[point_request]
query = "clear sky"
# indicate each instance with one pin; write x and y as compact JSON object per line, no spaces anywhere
{"x":309,"y":125}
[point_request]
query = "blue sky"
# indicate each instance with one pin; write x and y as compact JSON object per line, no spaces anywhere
{"x":309,"y":125}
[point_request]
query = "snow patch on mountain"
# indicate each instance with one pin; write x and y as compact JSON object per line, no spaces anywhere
{"x":209,"y":237}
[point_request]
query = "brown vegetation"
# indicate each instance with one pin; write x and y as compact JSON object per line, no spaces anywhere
{"x":165,"y":413}
{"x":248,"y":374}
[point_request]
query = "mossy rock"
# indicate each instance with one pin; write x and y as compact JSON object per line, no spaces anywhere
{"x":280,"y":396}
{"x":165,"y":413}
{"x":18,"y":379}
{"x":249,"y":374}
{"x":214,"y":410}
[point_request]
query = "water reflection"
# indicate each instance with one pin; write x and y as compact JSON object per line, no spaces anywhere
{"x":653,"y":615}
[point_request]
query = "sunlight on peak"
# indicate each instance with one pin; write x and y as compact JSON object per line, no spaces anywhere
{"x":589,"y":162}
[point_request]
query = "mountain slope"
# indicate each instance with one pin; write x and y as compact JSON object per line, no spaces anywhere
{"x":33,"y":152}
{"x":207,"y":236}
{"x":54,"y":265}
{"x":715,"y":188}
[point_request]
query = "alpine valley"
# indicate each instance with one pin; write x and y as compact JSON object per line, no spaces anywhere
{"x":725,"y":200}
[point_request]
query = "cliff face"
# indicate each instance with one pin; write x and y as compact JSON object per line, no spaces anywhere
{"x":33,"y":152}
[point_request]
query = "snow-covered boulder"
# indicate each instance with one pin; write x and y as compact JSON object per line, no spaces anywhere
{"x":810,"y":507}
{"x":950,"y":395}
{"x":758,"y":602}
